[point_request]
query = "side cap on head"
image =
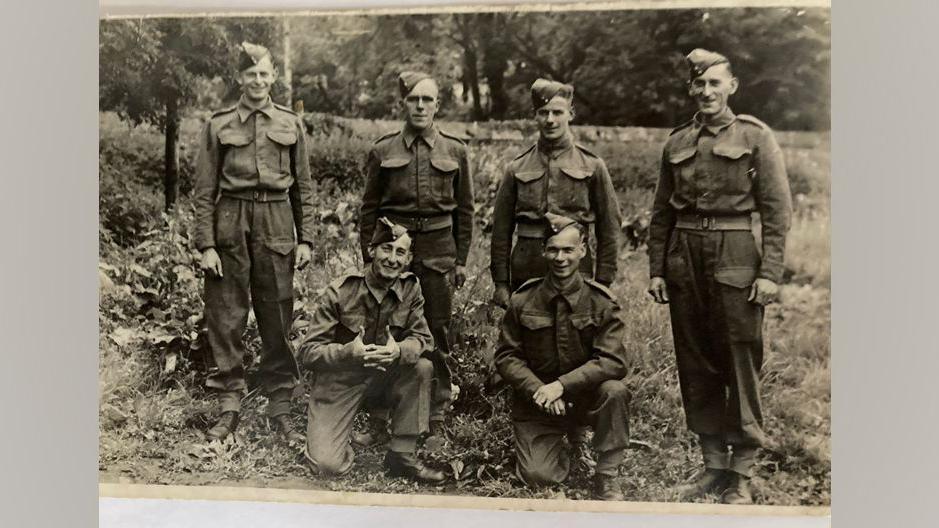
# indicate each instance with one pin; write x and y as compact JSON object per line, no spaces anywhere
{"x":407,"y":80}
{"x":543,"y":90}
{"x":555,"y":223}
{"x":251,"y":54}
{"x":387,"y":231}
{"x":699,"y":60}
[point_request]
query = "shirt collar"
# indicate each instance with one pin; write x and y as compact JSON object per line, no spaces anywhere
{"x":722,"y":121}
{"x":245,"y":110}
{"x":429,"y":134}
{"x":371,"y":282}
{"x":571,"y":293}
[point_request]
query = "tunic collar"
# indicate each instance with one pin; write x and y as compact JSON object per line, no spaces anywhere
{"x":553,"y":149}
{"x":245,"y":110}
{"x":374,"y":287}
{"x":429,"y":134}
{"x":718,"y":123}
{"x":570,"y":292}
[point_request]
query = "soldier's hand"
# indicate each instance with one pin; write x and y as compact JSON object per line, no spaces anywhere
{"x":358,"y":346}
{"x":658,"y":290}
{"x":501,"y":296}
{"x":557,"y":407}
{"x":211,"y":263}
{"x":458,"y":277}
{"x":304,"y":255}
{"x":547,"y":394}
{"x":763,"y":291}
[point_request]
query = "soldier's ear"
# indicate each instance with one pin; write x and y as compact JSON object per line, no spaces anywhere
{"x":734,"y":84}
{"x":371,"y":251}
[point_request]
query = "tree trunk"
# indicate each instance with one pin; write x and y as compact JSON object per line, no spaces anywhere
{"x":495,"y":62}
{"x":171,"y":155}
{"x":288,"y":71}
{"x":471,"y":77}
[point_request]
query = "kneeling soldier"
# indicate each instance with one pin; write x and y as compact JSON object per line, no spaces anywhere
{"x":561,"y":350}
{"x":382,"y":307}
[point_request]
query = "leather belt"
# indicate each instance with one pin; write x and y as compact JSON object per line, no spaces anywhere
{"x":257,"y":196}
{"x":422,"y":224}
{"x":713,"y":223}
{"x":530,"y":229}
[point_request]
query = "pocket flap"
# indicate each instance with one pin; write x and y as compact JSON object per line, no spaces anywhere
{"x":281,"y":246}
{"x":353,"y":322}
{"x":682,"y":155}
{"x":730,"y":151}
{"x":444,"y":165}
{"x":234,"y":138}
{"x":535,"y":322}
{"x":394,"y":163}
{"x":528,"y":176}
{"x":581,"y":321}
{"x":577,"y":174}
{"x":398,"y":318}
{"x":738,"y":277}
{"x":283,"y":138}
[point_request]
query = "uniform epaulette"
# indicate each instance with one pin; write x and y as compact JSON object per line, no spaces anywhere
{"x":407,"y":275}
{"x":224,"y":110}
{"x":285,"y":109}
{"x":386,"y":136}
{"x":751,"y":119}
{"x":585,"y":150}
{"x":451,"y":135}
{"x":682,"y":126}
{"x":336,"y":284}
{"x":529,"y":283}
{"x":603,"y":289}
{"x":526,"y":151}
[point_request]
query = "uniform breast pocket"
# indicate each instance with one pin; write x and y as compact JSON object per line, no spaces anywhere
{"x":529,"y":186}
{"x":283,"y":141}
{"x":574,"y":193}
{"x":586,"y":325}
{"x":734,"y":164}
{"x":238,"y":156}
{"x":682,"y":164}
{"x":443,"y":171}
{"x":536,"y":333}
{"x":398,"y":184}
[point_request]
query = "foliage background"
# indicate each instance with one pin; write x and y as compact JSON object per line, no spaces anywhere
{"x":152,"y":403}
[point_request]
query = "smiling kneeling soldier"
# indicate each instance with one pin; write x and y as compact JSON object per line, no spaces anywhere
{"x":369,"y":338}
{"x":561,"y":350}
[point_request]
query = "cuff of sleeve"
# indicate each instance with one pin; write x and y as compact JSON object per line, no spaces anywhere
{"x":410,"y":351}
{"x":571,"y":381}
{"x":605,"y":276}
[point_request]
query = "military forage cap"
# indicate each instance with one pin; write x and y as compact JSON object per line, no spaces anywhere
{"x":407,"y":80}
{"x":387,"y":231}
{"x":555,"y":223}
{"x":543,"y":90}
{"x":251,"y":54}
{"x":699,"y":60}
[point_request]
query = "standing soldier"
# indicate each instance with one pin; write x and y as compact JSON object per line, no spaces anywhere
{"x":558,"y":176}
{"x":419,"y":177}
{"x":561,"y":350}
{"x":716,"y":170}
{"x":382,"y":307}
{"x":253,"y":201}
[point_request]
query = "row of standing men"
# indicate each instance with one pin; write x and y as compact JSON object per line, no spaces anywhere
{"x":379,"y":337}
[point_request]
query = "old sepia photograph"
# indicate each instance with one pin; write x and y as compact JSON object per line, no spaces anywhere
{"x":509,"y":253}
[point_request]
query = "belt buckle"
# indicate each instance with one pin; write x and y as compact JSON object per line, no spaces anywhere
{"x":707,"y":223}
{"x":419,"y":221}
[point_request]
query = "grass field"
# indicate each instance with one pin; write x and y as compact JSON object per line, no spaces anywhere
{"x":153,"y":407}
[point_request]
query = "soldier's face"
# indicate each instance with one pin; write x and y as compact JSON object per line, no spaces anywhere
{"x":256,"y":81}
{"x":421,"y":105}
{"x":554,"y":118}
{"x":564,"y":252}
{"x":712,"y":89}
{"x":391,"y":259}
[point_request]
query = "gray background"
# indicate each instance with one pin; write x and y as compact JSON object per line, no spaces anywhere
{"x":885,"y":356}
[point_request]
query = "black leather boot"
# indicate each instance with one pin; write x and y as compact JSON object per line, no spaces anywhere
{"x":708,"y":481}
{"x":407,"y":465}
{"x":226,"y":425}
{"x":606,"y":489}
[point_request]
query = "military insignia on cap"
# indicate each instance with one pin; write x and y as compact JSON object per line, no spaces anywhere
{"x":699,"y":60}
{"x":555,"y":223}
{"x":407,"y":80}
{"x":543,"y":90}
{"x":387,"y":231}
{"x":251,"y":54}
